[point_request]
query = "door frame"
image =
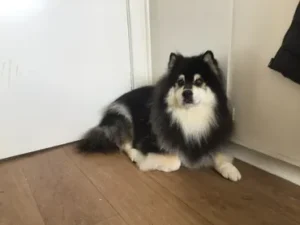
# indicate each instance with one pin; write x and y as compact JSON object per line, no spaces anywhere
{"x":138,"y":20}
{"x":139,"y":36}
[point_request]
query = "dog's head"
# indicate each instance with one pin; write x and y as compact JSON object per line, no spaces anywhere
{"x":193,"y":81}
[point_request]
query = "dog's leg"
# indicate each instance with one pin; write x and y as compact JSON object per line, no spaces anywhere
{"x":223,"y":164}
{"x":152,"y":161}
{"x":133,"y":154}
{"x":161,"y":162}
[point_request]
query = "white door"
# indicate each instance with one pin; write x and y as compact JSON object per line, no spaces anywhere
{"x":61,"y":61}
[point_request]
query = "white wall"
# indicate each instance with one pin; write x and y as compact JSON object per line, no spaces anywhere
{"x":267,"y":105}
{"x":190,"y":27}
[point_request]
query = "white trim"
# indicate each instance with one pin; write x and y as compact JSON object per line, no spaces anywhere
{"x":229,"y":62}
{"x":271,"y":165}
{"x":130,"y":44}
{"x":139,"y":42}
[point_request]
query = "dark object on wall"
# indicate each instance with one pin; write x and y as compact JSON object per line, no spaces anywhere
{"x":287,"y":59}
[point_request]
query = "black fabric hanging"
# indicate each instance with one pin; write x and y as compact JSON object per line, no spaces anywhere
{"x":287,"y":59}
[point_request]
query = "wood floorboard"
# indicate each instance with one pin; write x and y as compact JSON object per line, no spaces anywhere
{"x":117,"y":220}
{"x":63,"y":187}
{"x":63,"y":194}
{"x":222,"y":201}
{"x":17,"y":205}
{"x":137,"y":202}
{"x":276,"y":193}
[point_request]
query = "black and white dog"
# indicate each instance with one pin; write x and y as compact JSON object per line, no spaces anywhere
{"x":183,"y":120}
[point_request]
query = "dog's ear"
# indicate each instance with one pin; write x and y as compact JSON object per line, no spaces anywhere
{"x":209,"y":58}
{"x":173,"y":59}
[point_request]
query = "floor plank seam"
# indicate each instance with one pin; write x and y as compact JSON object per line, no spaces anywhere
{"x":34,"y":199}
{"x":92,"y":183}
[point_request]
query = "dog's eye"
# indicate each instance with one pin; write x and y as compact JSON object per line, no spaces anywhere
{"x":198,"y":82}
{"x":180,"y":82}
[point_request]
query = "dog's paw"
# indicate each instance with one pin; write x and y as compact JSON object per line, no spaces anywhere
{"x":135,"y":155}
{"x":229,"y":172}
{"x":159,"y":162}
{"x":146,"y":165}
{"x":169,"y":168}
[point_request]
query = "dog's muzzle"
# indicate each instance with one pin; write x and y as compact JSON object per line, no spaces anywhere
{"x":187,"y":96}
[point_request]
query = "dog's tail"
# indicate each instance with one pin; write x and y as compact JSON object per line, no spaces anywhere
{"x":113,"y":132}
{"x":97,"y":140}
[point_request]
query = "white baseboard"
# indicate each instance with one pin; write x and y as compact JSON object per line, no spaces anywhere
{"x":274,"y":166}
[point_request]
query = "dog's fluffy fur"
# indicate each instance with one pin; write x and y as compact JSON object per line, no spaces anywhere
{"x":183,"y":120}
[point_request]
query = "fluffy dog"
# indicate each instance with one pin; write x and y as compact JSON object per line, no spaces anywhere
{"x":182,"y":120}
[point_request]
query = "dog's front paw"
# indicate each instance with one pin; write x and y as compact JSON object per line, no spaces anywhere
{"x":135,"y":155}
{"x":169,"y":168}
{"x":160,"y":162}
{"x":229,"y":172}
{"x":146,"y":165}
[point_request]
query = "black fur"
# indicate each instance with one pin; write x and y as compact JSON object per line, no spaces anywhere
{"x":138,"y":131}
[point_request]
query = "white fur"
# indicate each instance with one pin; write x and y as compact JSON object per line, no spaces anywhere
{"x":181,"y":77}
{"x":120,"y":109}
{"x":152,"y":161}
{"x":229,"y":171}
{"x":195,"y":119}
{"x":165,"y":163}
{"x":197,"y":76}
{"x":223,"y":164}
{"x":134,"y":154}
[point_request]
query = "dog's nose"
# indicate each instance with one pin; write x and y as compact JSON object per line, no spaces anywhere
{"x":187,"y":94}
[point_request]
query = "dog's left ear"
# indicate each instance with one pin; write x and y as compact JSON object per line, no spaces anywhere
{"x":209,"y":58}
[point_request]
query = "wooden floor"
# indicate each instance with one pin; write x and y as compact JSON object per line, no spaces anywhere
{"x":62,"y":187}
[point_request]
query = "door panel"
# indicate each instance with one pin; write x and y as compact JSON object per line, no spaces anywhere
{"x":61,"y":61}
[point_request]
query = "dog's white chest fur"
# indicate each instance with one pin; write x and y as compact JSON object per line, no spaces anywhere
{"x":195,"y":122}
